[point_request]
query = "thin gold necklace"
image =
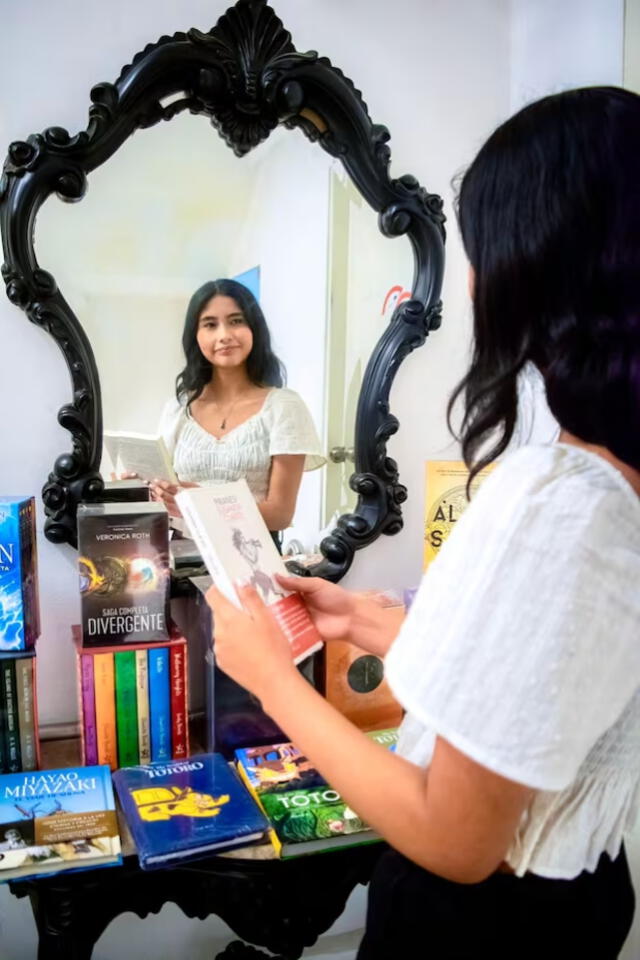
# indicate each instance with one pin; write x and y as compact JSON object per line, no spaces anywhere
{"x":223,"y":424}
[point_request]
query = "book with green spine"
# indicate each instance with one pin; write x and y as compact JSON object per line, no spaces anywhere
{"x":126,"y":707}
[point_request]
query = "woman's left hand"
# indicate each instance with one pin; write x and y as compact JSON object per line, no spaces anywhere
{"x":250,"y":646}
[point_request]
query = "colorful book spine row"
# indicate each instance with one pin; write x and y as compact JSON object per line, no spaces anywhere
{"x":133,"y":704}
{"x":19,"y":745}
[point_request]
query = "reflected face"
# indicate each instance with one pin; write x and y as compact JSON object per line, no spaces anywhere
{"x":224,"y":336}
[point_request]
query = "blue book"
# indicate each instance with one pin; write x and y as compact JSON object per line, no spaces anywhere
{"x":159,"y":704}
{"x":55,"y":820}
{"x":19,"y":607}
{"x":187,"y":809}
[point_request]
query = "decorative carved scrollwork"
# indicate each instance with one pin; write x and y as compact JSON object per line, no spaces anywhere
{"x":246,"y":76}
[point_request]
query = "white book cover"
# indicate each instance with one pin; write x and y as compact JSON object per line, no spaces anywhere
{"x":140,"y":453}
{"x":235,"y":544}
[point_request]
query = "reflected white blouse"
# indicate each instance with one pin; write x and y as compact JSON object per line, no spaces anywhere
{"x":522,"y":650}
{"x":283,"y":425}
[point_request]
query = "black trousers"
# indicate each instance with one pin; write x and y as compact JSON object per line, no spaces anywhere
{"x":414,"y":914}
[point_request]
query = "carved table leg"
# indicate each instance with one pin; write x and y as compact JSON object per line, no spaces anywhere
{"x":60,"y":936}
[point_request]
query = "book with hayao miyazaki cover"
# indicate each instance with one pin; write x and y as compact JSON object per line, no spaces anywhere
{"x":235,"y":544}
{"x":186,"y":809}
{"x":54,"y":820}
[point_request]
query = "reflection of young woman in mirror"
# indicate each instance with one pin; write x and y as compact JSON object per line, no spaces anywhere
{"x":232,"y":416}
{"x":517,"y":772}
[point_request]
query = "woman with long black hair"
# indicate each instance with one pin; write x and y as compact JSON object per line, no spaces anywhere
{"x":232,"y":416}
{"x":517,"y":772}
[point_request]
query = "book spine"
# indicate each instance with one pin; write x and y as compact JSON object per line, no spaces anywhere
{"x":105,"y":709}
{"x":210,"y":701}
{"x":126,"y":707}
{"x":160,"y":704}
{"x":13,"y":759}
{"x":26,"y":694}
{"x":213,"y":565}
{"x":179,"y":724}
{"x":88,"y":711}
{"x":142,"y":695}
{"x":30,"y":577}
{"x":3,"y":728}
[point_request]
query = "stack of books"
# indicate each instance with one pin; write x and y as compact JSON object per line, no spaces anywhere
{"x":132,"y":665}
{"x":306,"y":814}
{"x":19,"y":630}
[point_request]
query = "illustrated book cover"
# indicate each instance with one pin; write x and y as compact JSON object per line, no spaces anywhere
{"x":54,"y":820}
{"x":235,"y":544}
{"x":445,"y":501}
{"x":123,"y":563}
{"x":314,"y":820}
{"x":19,"y":602}
{"x":143,"y":454}
{"x":306,"y":814}
{"x":186,"y":809}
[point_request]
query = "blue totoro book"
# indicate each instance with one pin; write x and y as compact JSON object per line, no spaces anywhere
{"x":187,"y":809}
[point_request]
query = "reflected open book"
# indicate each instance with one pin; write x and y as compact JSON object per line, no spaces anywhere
{"x":144,"y":454}
{"x":235,"y":544}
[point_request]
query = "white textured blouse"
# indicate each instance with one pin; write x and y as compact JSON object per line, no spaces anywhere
{"x":282,"y":425}
{"x":522,"y":650}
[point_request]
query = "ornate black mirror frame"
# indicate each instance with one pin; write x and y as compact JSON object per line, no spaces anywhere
{"x":247,"y":77}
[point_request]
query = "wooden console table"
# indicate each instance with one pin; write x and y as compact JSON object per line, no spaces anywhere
{"x":281,"y":905}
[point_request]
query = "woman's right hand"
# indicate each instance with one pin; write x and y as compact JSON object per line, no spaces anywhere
{"x":164,"y":492}
{"x":331,"y":607}
{"x":341,"y":615}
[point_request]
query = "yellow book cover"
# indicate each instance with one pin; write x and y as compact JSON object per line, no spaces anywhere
{"x":273,"y":836}
{"x":445,"y":501}
{"x":142,"y":692}
{"x":105,"y":709}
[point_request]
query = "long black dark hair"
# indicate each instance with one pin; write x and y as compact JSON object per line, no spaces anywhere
{"x":263,"y":366}
{"x":550,"y":218}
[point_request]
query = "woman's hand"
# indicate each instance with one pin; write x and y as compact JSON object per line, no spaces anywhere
{"x":164,"y":492}
{"x":341,"y":615}
{"x":330,"y":606}
{"x":250,"y":646}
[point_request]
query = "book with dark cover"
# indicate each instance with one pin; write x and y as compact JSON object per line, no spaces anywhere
{"x":124,"y":573}
{"x":186,"y":809}
{"x":54,"y":820}
{"x":26,"y":694}
{"x":19,"y":604}
{"x":10,"y":725}
{"x":234,"y":717}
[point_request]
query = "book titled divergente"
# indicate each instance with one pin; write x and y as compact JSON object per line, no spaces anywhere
{"x":235,"y":544}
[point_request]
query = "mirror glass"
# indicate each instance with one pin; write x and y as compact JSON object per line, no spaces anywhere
{"x":174,"y":208}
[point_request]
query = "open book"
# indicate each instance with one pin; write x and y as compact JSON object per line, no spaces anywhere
{"x":140,"y":453}
{"x":235,"y":544}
